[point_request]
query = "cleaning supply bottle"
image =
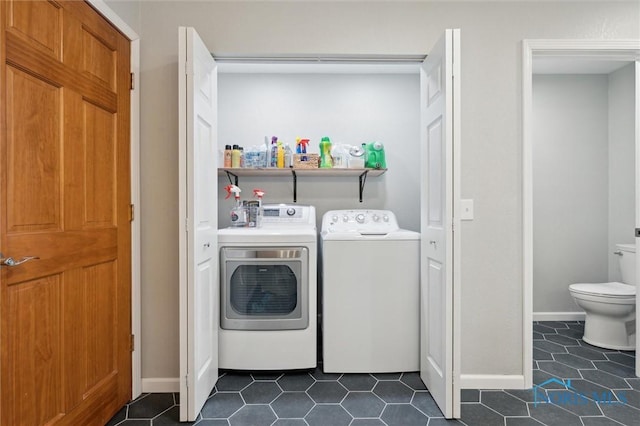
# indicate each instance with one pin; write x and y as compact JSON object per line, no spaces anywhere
{"x":288,"y":156}
{"x":301,"y":148}
{"x":235,"y":156}
{"x":258,"y":193}
{"x":325,"y":153}
{"x":267,"y":150}
{"x":227,"y":156}
{"x":238,"y":212}
{"x":339,"y":155}
{"x":274,"y":152}
{"x":375,"y":158}
{"x":280,"y":160}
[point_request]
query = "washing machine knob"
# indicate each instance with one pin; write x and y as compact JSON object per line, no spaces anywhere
{"x":345,"y":218}
{"x":334,"y":219}
{"x":385,"y":218}
{"x":360,"y":218}
{"x":376,"y":218}
{"x":291,"y":211}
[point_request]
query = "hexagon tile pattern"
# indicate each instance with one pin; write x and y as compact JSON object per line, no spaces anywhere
{"x":603,"y":391}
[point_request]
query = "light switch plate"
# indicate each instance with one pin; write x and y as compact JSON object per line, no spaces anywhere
{"x":466,"y":209}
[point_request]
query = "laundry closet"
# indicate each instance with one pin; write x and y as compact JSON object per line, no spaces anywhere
{"x":409,"y":105}
{"x":351,"y":103}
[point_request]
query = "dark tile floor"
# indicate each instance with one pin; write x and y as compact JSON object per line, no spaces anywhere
{"x":314,"y":398}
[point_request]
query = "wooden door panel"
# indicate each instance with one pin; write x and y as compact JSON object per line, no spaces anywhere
{"x":100,"y":319}
{"x":33,"y":153}
{"x":45,"y":38}
{"x":99,"y":179}
{"x":91,"y":325}
{"x":32,"y":344}
{"x":96,"y":55}
{"x":99,"y":58}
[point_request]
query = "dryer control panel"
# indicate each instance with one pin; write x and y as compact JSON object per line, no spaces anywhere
{"x":288,"y":214}
{"x":372,"y":222}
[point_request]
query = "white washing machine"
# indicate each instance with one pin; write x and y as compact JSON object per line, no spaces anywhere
{"x":370,"y":293}
{"x":268,"y":291}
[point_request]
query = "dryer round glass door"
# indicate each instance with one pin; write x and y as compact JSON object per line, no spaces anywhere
{"x":264,"y":288}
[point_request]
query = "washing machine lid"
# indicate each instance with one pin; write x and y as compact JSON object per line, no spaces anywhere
{"x":614,"y":289}
{"x":364,"y":235}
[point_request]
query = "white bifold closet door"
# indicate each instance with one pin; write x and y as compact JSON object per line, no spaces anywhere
{"x":440,"y":82}
{"x":198,"y":223}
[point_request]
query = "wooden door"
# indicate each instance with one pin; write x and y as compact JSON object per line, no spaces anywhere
{"x":65,"y":329}
{"x":199,"y":291}
{"x":440,"y":104}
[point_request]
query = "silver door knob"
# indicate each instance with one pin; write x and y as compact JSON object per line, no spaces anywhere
{"x":10,"y":261}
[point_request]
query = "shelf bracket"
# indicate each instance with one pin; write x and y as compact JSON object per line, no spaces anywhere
{"x":362,"y":180}
{"x":229,"y":174}
{"x":295,"y":186}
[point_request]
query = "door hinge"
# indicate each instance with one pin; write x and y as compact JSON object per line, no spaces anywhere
{"x":132,"y":83}
{"x":131,"y":212}
{"x":133,"y":343}
{"x":186,"y":380}
{"x":637,"y":232}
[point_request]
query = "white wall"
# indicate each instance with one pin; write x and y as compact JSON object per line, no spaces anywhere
{"x":491,"y":134}
{"x":622,"y":202}
{"x":570,"y":186}
{"x":129,"y":11}
{"x":349,"y":108}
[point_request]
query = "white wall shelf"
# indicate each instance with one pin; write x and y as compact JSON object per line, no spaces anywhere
{"x":235,"y":173}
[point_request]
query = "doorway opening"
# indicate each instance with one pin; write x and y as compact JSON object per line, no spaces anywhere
{"x":580,"y":148}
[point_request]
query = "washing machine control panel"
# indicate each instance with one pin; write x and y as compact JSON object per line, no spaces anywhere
{"x":360,"y":221}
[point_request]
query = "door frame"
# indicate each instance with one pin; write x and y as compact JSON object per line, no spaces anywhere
{"x":134,"y":38}
{"x":626,"y":50}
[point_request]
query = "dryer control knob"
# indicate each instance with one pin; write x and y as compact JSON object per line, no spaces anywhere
{"x":376,"y":218}
{"x":360,"y":218}
{"x":291,"y":211}
{"x":334,"y":219}
{"x":345,"y":218}
{"x":385,"y":218}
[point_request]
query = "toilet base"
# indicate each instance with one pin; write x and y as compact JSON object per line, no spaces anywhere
{"x":608,"y":333}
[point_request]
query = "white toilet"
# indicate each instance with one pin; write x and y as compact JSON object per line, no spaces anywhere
{"x":611,"y":307}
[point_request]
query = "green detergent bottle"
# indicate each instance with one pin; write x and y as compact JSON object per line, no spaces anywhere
{"x":374,"y":154}
{"x":326,"y":162}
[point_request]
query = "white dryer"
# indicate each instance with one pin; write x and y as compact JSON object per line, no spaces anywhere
{"x":370,"y":293}
{"x":268,"y":291}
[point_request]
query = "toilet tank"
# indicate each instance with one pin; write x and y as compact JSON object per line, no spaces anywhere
{"x":627,"y":259}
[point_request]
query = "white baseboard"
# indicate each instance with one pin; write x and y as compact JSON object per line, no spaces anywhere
{"x":491,"y":381}
{"x":161,"y":385}
{"x":558,"y":316}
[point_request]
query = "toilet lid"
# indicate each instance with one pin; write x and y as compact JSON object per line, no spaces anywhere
{"x":614,"y":289}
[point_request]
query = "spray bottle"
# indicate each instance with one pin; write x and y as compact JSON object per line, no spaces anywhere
{"x":301,"y":148}
{"x":238,"y":212}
